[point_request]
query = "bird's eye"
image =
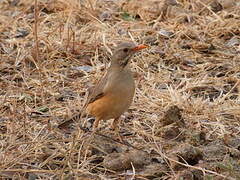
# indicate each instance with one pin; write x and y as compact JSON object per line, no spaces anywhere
{"x":125,"y":50}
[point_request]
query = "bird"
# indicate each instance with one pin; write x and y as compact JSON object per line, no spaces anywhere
{"x":114,"y":93}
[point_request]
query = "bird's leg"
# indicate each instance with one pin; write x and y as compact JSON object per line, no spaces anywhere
{"x":115,"y":128}
{"x":115,"y":124}
{"x":95,"y":124}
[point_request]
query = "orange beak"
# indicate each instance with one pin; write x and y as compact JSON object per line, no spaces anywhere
{"x":140,"y":47}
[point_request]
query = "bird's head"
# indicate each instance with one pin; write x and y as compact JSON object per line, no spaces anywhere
{"x":124,"y":52}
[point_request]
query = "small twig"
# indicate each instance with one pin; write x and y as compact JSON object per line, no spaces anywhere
{"x":73,"y":42}
{"x":226,"y":95}
{"x":36,"y":30}
{"x":60,"y":31}
{"x":134,"y":172}
{"x":68,"y":38}
{"x":105,"y":45}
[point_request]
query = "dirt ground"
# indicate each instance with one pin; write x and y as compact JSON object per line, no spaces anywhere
{"x":184,"y":122}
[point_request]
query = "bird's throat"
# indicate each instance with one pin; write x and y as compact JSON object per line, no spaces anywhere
{"x":120,"y":64}
{"x":124,"y":63}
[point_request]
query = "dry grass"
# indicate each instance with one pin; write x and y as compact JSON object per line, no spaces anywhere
{"x":46,"y":69}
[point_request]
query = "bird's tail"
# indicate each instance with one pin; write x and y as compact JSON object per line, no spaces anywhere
{"x":76,"y":117}
{"x":69,"y":121}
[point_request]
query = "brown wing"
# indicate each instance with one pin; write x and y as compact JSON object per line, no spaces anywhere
{"x":97,"y":91}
